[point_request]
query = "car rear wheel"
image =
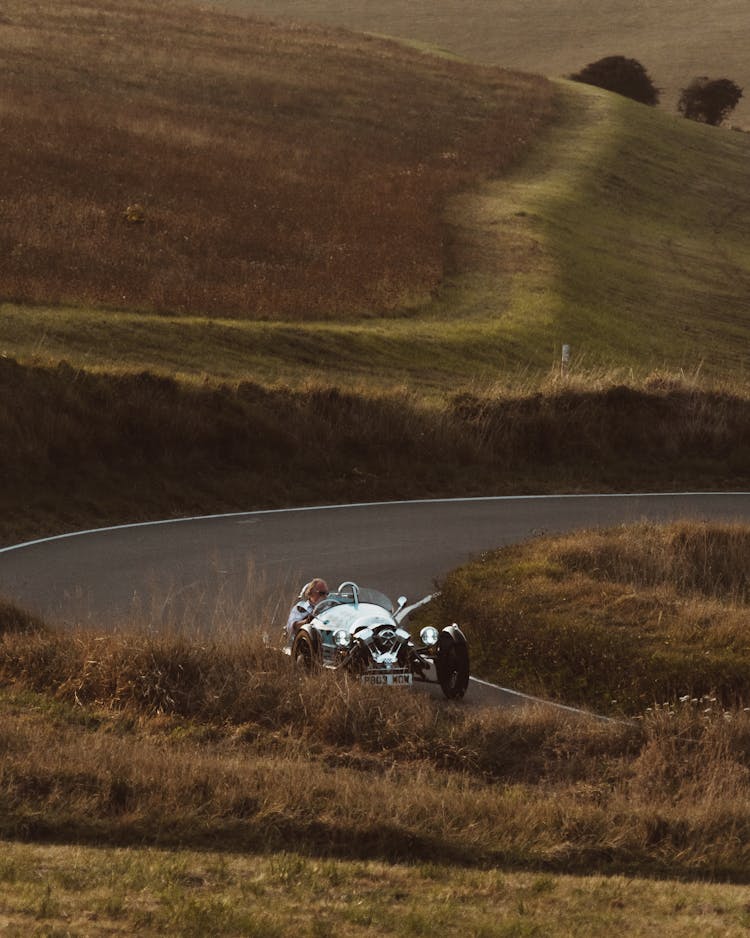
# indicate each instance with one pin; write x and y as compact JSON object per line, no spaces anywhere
{"x":453,"y":670}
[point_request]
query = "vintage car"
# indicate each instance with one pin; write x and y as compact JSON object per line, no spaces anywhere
{"x":357,"y":629}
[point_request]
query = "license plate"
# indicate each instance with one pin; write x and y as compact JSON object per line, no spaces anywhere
{"x":386,"y":678}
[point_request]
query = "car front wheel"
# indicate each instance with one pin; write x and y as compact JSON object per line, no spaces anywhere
{"x":453,"y":669}
{"x":303,"y":654}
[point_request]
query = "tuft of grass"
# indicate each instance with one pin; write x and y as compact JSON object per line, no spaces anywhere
{"x":13,"y":619}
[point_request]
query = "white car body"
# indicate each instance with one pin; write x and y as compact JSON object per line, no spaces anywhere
{"x":358,"y":630}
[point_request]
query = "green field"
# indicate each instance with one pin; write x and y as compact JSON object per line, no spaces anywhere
{"x":230,"y":245}
{"x":87,"y":891}
{"x":65,"y":891}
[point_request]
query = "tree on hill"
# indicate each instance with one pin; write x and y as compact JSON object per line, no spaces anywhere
{"x":621,"y":75}
{"x":709,"y":100}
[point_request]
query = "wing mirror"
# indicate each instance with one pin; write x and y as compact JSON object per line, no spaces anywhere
{"x":400,"y":603}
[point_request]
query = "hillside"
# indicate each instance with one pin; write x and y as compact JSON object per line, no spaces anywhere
{"x":639,"y":221}
{"x":622,"y":233}
{"x":173,"y":160}
{"x":516,"y":213}
{"x":674,"y":40}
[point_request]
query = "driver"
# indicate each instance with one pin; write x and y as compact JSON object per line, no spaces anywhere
{"x":302,"y":610}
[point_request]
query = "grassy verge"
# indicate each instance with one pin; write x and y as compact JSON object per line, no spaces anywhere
{"x":616,"y":620}
{"x":83,"y":449}
{"x":171,"y":742}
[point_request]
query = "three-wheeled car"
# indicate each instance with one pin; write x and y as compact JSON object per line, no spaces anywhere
{"x":359,"y":630}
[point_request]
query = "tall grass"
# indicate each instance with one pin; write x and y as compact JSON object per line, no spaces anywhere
{"x":708,"y":560}
{"x":191,"y":740}
{"x":175,"y":742}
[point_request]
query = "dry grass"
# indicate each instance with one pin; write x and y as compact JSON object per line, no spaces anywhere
{"x":618,"y":620}
{"x":168,"y":740}
{"x":85,"y":449}
{"x":135,"y":739}
{"x":176,"y":160}
{"x":707,"y":560}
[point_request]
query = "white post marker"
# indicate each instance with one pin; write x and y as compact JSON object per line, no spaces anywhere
{"x":565,"y":359}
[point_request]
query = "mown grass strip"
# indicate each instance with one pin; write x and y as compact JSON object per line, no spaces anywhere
{"x":83,"y":890}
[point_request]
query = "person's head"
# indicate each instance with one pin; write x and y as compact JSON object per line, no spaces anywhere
{"x":317,"y":590}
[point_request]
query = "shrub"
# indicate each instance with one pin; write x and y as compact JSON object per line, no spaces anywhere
{"x":621,"y":75}
{"x":709,"y":101}
{"x":13,"y":619}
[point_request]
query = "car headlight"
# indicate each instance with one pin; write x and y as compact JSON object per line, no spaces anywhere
{"x":341,"y":638}
{"x":429,"y":635}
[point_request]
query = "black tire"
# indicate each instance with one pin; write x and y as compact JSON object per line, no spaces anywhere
{"x":453,"y":669}
{"x":303,"y":654}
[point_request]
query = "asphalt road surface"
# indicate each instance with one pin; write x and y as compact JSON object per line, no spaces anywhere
{"x":240,"y":570}
{"x":160,"y":571}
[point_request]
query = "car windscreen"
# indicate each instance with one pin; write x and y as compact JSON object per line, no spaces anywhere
{"x":367,"y":595}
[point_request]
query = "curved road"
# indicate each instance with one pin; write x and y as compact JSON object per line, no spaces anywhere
{"x":229,"y":571}
{"x":198,"y":568}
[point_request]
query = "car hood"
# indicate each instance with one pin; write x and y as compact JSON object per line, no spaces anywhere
{"x":351,"y":618}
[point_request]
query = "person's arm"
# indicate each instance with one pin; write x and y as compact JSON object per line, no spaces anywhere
{"x":299,"y":614}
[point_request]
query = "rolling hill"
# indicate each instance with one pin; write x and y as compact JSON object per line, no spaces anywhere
{"x":674,"y":40}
